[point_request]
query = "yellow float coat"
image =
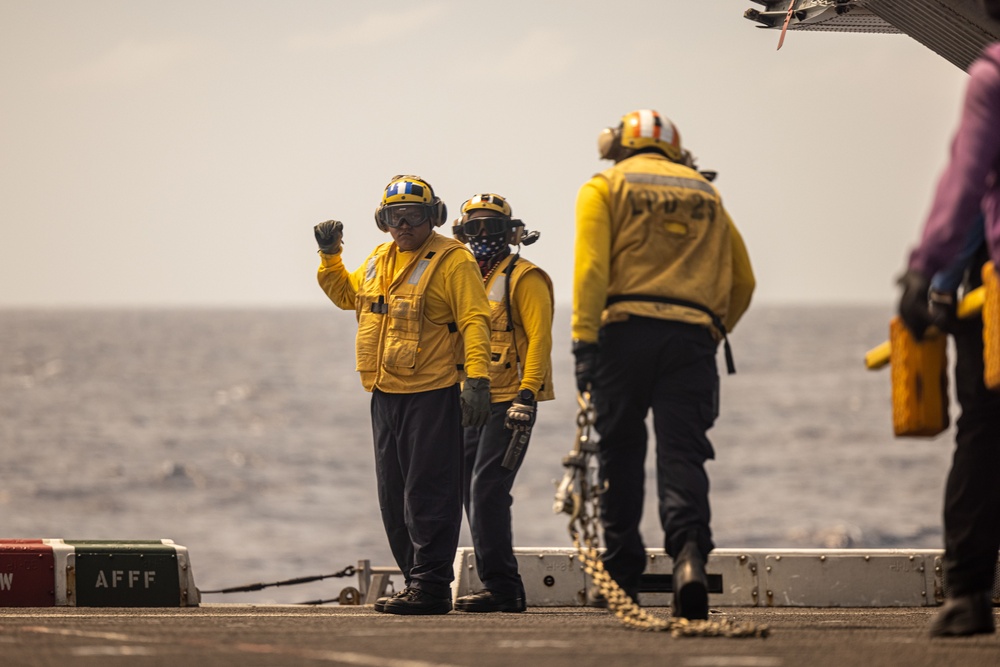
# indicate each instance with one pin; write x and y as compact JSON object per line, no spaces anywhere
{"x":529,"y":364}
{"x":653,"y":227}
{"x":411,"y":308}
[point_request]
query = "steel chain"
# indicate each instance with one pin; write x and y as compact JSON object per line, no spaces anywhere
{"x":578,"y":495}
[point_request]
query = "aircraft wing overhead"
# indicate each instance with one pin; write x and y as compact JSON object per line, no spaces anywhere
{"x":954,"y":29}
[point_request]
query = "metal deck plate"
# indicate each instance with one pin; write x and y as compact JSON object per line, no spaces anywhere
{"x":845,"y":579}
{"x":744,"y":577}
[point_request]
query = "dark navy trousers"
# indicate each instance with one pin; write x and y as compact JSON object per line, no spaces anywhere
{"x":667,"y":367}
{"x":418,"y":468}
{"x":486,"y":488}
{"x":972,"y":493}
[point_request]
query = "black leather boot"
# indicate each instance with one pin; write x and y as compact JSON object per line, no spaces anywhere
{"x":690,"y":584}
{"x":414,"y":601}
{"x":381,"y":602}
{"x":963,"y":615}
{"x":488,"y":601}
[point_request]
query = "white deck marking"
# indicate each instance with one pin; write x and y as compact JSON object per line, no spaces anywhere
{"x":732,"y":661}
{"x":342,"y":657}
{"x":88,"y":651}
{"x":110,"y":636}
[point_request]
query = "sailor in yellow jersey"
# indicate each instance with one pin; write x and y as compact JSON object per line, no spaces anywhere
{"x":661,"y":274}
{"x":418,"y":299}
{"x":521,"y":302}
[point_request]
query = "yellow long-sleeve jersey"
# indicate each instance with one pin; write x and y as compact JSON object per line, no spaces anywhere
{"x":533,"y":298}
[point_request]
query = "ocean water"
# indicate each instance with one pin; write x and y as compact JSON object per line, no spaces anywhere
{"x":244,"y":435}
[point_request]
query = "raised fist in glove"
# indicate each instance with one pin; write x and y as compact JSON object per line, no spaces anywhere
{"x":586,"y":364}
{"x":328,"y":236}
{"x":475,"y":399}
{"x":914,"y":307}
{"x":521,"y":413}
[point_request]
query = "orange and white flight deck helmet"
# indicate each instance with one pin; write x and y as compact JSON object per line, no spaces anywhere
{"x":637,"y":130}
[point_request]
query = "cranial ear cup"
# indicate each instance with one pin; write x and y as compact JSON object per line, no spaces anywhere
{"x":439,"y":213}
{"x":378,"y":220}
{"x":458,"y":232}
{"x":515,"y":232}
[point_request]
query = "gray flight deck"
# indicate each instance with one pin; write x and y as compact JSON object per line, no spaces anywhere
{"x":252,"y":636}
{"x":822,"y":607}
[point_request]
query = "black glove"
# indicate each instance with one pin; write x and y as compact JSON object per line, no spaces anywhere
{"x":944,"y":310}
{"x":914,"y":308}
{"x":586,"y":364}
{"x":328,"y":236}
{"x":521,"y":413}
{"x":475,"y":399}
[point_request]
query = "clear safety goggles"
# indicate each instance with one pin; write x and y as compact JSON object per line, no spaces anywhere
{"x":412,"y":215}
{"x":476,"y":226}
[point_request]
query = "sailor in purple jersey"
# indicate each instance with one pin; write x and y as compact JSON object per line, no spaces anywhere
{"x":970,"y":184}
{"x":970,"y":180}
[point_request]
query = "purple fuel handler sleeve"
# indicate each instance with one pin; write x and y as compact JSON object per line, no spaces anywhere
{"x":970,"y":180}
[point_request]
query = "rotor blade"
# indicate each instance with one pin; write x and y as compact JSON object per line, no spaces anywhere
{"x":784,"y":26}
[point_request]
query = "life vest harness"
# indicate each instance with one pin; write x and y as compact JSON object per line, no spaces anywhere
{"x":716,"y":320}
{"x":508,"y":365}
{"x":509,"y":271}
{"x":381,"y":307}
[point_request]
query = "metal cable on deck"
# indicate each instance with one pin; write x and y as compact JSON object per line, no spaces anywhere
{"x":348,"y":571}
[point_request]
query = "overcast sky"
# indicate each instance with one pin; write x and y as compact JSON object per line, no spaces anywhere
{"x":179,"y":153}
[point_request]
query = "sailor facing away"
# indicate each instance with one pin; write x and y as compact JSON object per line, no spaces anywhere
{"x":661,"y":276}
